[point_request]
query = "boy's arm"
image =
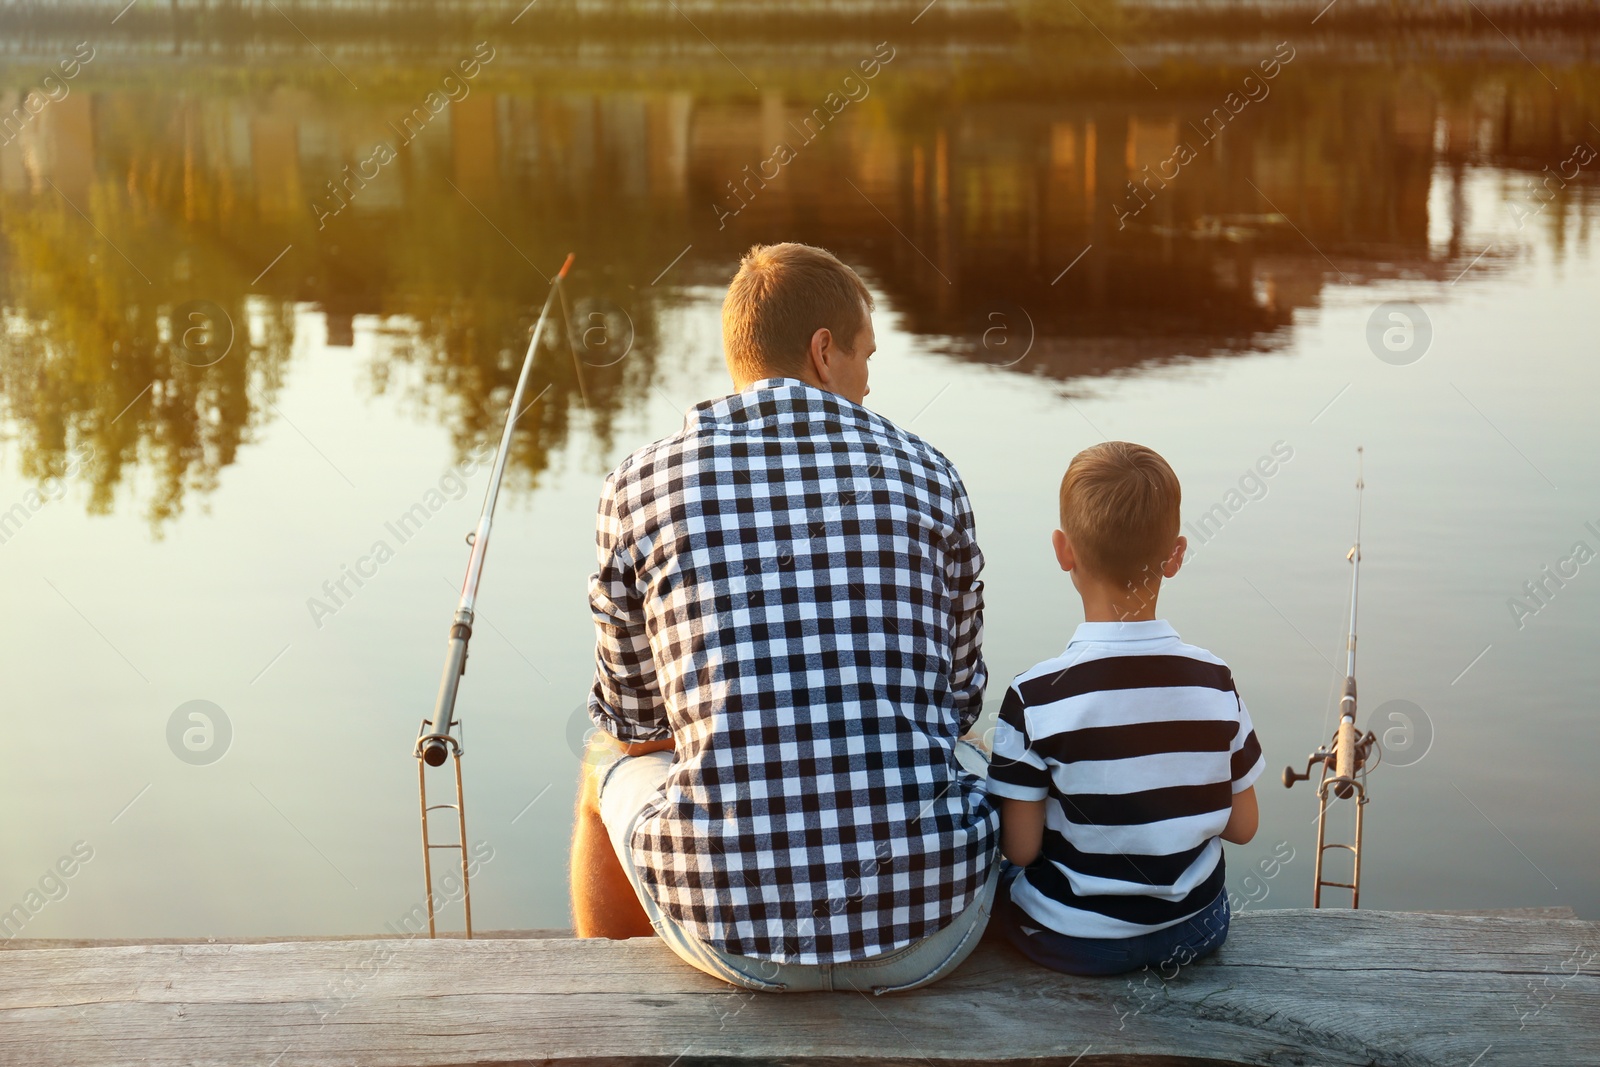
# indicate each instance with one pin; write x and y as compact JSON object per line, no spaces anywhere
{"x":1020,"y":778}
{"x":1246,"y":764}
{"x":1021,"y":830}
{"x":1242,"y":822}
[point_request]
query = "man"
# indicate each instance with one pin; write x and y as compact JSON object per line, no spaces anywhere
{"x":789,"y":615}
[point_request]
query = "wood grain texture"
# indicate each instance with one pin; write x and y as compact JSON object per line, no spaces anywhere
{"x":106,"y":942}
{"x":1513,"y":913}
{"x":1289,"y":987}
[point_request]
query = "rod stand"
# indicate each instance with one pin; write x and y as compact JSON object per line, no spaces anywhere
{"x":1330,"y":789}
{"x":430,"y":740}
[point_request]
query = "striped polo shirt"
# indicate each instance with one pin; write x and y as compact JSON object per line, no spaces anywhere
{"x":1138,"y":743}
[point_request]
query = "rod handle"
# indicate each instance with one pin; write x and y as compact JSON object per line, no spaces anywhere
{"x":1344,"y":758}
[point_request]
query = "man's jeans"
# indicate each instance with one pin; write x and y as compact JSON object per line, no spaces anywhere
{"x":628,"y":784}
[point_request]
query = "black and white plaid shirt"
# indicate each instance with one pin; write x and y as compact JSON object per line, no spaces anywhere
{"x":788,"y":588}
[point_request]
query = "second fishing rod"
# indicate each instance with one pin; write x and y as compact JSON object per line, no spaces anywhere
{"x":432,"y":747}
{"x":439,"y":737}
{"x":1344,"y":766}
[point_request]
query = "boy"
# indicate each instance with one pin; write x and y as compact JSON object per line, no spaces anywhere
{"x":1121,"y":762}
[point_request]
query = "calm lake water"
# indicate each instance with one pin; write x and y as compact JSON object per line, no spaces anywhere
{"x":263,"y":298}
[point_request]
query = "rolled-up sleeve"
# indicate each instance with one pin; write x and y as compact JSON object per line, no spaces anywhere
{"x":968,"y":675}
{"x":625,"y":700}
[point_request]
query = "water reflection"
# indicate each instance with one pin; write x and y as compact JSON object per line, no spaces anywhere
{"x":1042,"y":228}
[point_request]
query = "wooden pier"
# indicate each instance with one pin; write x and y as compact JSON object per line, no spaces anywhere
{"x":1289,"y":987}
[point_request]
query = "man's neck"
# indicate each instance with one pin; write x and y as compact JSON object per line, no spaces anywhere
{"x":742,"y":387}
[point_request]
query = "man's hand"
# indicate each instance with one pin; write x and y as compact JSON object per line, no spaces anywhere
{"x":644,"y":748}
{"x":606,"y":743}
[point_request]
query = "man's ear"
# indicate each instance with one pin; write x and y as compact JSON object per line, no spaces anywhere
{"x":820,"y":355}
{"x":1063,"y":547}
{"x":1171,"y":565}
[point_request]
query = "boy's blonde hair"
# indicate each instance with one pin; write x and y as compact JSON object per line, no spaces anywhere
{"x":781,"y":296}
{"x":1119,"y":508}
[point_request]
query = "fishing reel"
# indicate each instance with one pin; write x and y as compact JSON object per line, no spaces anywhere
{"x":434,"y":749}
{"x":1343,"y":785}
{"x":1290,"y":777}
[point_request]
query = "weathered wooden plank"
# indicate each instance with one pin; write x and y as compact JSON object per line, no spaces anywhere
{"x":550,"y":933}
{"x":1289,"y":987}
{"x":1511,"y":913}
{"x":110,"y":942}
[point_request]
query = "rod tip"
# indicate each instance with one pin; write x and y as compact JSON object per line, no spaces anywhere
{"x":566,"y":266}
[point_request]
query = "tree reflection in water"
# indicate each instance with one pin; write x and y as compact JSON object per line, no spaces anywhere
{"x":157,"y":243}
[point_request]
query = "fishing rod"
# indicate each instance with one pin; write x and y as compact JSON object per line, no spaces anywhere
{"x":1347,"y":759}
{"x":440,"y":737}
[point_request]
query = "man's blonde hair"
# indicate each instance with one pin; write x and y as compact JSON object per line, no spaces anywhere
{"x":1120,"y":509}
{"x":781,"y":296}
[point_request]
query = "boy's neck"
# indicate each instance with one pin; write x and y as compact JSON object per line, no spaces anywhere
{"x":1109,"y":602}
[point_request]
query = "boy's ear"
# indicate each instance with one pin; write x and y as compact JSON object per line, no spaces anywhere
{"x":1063,"y":547}
{"x":1174,"y":562}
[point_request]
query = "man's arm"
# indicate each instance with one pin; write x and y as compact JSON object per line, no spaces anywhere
{"x":968,"y":674}
{"x":625,"y":699}
{"x":625,"y":703}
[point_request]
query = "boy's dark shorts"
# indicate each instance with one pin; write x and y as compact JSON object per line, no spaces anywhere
{"x":1174,"y":946}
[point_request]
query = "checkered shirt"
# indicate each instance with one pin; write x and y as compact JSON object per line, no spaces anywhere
{"x":788,"y":588}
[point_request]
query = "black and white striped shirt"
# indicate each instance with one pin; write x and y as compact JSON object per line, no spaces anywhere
{"x":789,"y":589}
{"x":1138,"y":741}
